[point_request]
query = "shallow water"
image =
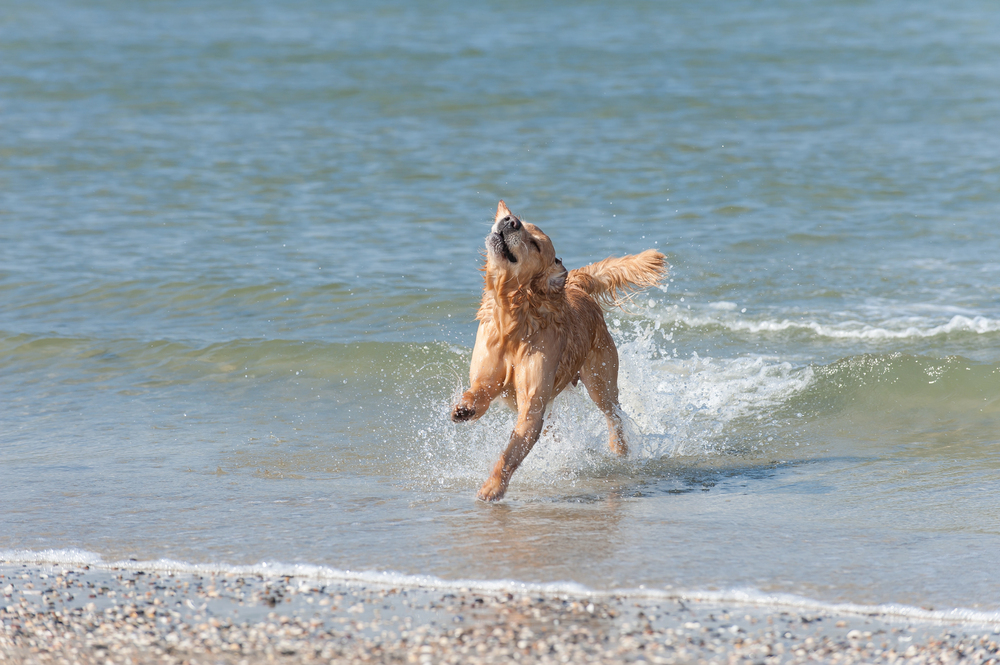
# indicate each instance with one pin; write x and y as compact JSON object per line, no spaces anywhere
{"x":238,"y":276}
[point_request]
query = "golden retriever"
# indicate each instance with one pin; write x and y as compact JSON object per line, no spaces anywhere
{"x":542,"y":328}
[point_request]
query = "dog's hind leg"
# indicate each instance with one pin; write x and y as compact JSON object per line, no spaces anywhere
{"x":600,"y":376}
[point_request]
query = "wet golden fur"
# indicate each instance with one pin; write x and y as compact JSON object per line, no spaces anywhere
{"x":541,"y":328}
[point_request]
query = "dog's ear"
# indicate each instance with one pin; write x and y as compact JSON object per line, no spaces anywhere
{"x":502,"y":211}
{"x":556,"y":277}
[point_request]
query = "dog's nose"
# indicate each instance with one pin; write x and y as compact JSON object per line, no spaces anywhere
{"x":514,"y":223}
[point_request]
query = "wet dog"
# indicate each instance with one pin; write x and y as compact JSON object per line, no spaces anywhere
{"x":542,"y":328}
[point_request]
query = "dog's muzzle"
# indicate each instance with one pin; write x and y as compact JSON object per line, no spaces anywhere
{"x":498,"y":245}
{"x":497,"y":241}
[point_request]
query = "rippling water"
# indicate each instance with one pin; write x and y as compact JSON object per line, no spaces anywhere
{"x":239,"y":246}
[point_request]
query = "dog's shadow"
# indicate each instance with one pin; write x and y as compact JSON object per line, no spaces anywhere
{"x":631,"y":480}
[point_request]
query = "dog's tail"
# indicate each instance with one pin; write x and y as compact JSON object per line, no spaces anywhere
{"x":613,"y":281}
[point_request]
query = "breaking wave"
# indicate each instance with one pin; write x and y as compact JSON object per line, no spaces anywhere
{"x":890,"y":329}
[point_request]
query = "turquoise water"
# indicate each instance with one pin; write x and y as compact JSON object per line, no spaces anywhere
{"x":239,"y":251}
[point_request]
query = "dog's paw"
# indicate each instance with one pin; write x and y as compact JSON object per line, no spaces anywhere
{"x":616,"y":439}
{"x":492,"y":490}
{"x":462,"y":413}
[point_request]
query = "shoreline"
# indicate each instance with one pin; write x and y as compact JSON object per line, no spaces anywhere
{"x":88,"y":614}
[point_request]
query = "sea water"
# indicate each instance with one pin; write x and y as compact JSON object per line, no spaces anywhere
{"x":239,"y":267}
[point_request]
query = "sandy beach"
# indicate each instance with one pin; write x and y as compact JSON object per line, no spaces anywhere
{"x":57,"y":614}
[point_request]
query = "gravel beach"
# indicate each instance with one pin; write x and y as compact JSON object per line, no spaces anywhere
{"x":89,"y":614}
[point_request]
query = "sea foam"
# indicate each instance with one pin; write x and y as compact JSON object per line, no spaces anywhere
{"x":894,"y":328}
{"x":740,"y":596}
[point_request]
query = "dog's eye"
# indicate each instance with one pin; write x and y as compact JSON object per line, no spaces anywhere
{"x":533,"y":243}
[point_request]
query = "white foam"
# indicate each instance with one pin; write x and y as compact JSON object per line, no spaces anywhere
{"x":740,"y":596}
{"x":896,"y":328}
{"x":278,"y":569}
{"x":754,"y":597}
{"x":683,"y":405}
{"x":723,"y":305}
{"x":70,"y":556}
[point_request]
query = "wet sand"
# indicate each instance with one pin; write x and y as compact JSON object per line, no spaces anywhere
{"x":56,"y":614}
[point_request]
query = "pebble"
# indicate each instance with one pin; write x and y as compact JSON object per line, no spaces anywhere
{"x":56,"y":614}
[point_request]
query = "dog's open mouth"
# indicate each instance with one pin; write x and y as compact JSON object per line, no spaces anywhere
{"x":500,"y":247}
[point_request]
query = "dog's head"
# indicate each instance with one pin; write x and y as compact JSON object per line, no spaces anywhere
{"x":522,"y":251}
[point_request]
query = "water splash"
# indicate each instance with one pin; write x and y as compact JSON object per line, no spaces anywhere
{"x":672,"y":407}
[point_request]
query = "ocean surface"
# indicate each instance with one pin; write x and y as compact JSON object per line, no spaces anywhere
{"x":239,"y":253}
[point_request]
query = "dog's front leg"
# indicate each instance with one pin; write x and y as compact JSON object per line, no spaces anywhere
{"x":488,"y":374}
{"x":534,"y":379}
